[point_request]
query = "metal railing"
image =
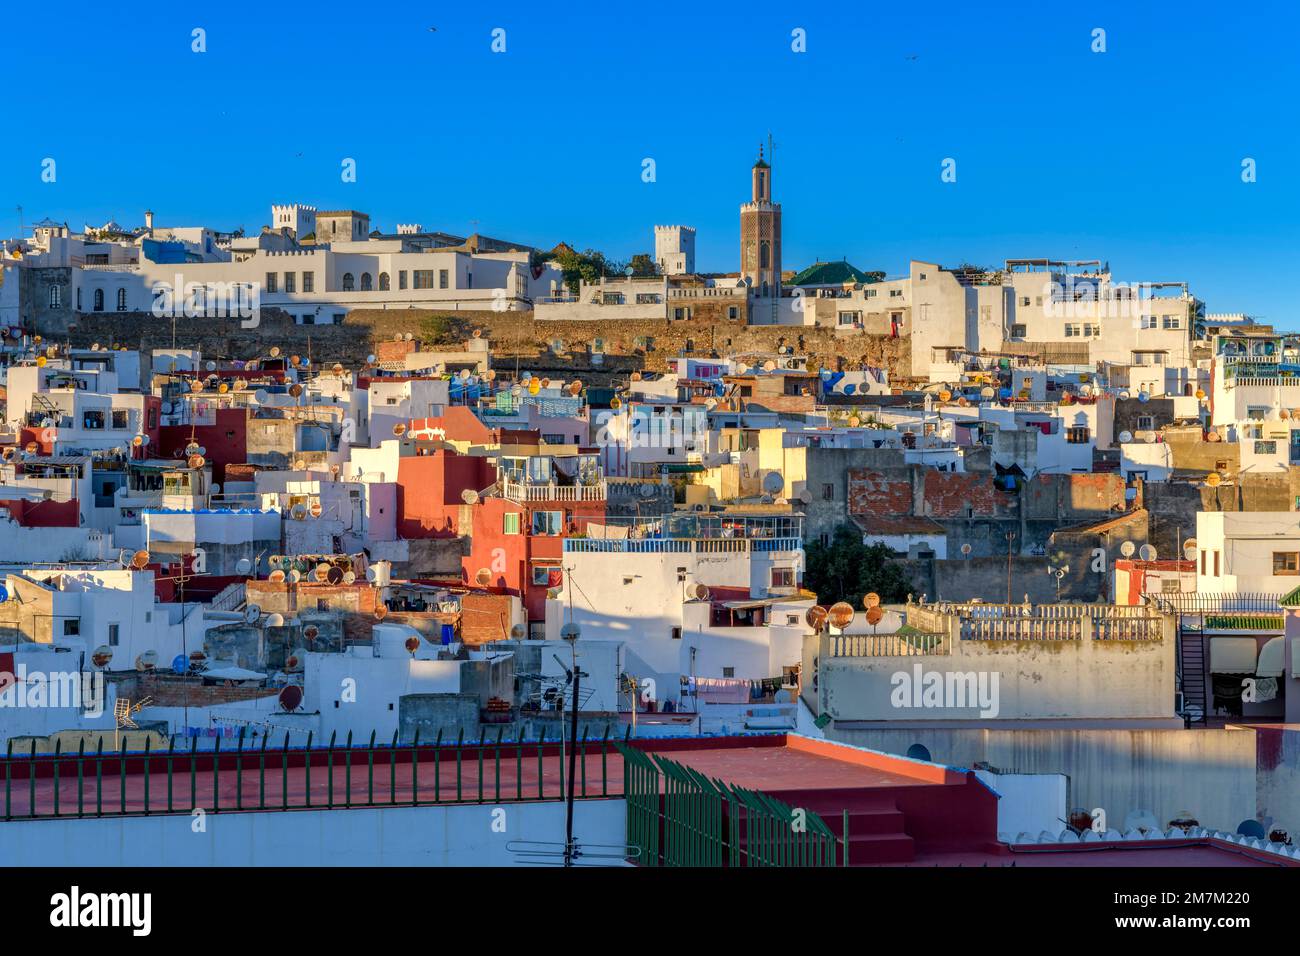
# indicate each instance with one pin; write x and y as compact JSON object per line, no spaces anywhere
{"x":889,"y":645}
{"x":259,"y":777}
{"x":677,"y":816}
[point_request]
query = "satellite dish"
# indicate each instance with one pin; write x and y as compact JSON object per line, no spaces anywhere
{"x":243,"y":566}
{"x":483,"y":577}
{"x":322,"y":572}
{"x":315,"y":509}
{"x":381,"y":612}
{"x":816,"y":617}
{"x":1125,"y":437}
{"x":700,"y":592}
{"x":179,"y":664}
{"x":840,"y":614}
{"x":399,"y":429}
{"x":275,"y":620}
{"x":252,"y":612}
{"x":966,"y":548}
{"x":295,"y":576}
{"x":102,"y":656}
{"x":1124,"y":395}
{"x":469,"y":496}
{"x":290,"y":698}
{"x":1213,"y":479}
{"x":1143,"y":396}
{"x":773,"y":483}
{"x":295,"y":389}
{"x":276,"y":576}
{"x":146,"y":661}
{"x":870,"y":600}
{"x":769,"y":366}
{"x":140,"y":560}
{"x":275,"y":351}
{"x":1147,"y":552}
{"x":195,"y":462}
{"x":334,"y":575}
{"x":1127,"y":549}
{"x":349,"y":577}
{"x":987,"y":392}
{"x":875,"y":615}
{"x":300,"y":465}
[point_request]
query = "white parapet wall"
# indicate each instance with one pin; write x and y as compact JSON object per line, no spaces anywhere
{"x":477,"y":835}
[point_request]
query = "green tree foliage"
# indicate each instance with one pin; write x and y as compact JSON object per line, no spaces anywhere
{"x":586,"y":266}
{"x":846,"y":569}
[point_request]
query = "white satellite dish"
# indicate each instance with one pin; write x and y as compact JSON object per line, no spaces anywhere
{"x":1147,"y":552}
{"x":275,"y":620}
{"x":1125,"y":437}
{"x":1127,"y":549}
{"x":251,"y":613}
{"x":243,"y":566}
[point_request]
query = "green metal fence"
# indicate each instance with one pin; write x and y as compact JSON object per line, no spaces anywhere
{"x":677,"y":816}
{"x":344,"y":773}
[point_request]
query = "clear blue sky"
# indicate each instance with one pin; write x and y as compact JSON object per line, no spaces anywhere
{"x":1133,"y":155}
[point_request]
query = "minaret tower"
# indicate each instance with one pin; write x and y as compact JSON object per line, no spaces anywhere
{"x":760,"y":233}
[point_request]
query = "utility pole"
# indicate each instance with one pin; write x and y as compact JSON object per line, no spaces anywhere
{"x":1011,"y":536}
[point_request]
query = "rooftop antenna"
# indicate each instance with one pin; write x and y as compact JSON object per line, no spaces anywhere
{"x":124,"y":709}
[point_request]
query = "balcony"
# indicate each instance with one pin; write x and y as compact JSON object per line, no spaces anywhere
{"x":546,"y":492}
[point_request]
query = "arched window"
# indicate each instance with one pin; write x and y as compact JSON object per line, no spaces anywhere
{"x":56,"y":296}
{"x":347,"y":282}
{"x":365,"y":282}
{"x":121,"y":300}
{"x":383,"y":282}
{"x":99,"y":300}
{"x":764,"y":254}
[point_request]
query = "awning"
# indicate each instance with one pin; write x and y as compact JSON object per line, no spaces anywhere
{"x":1232,"y":655}
{"x":1270,"y":658}
{"x":673,"y":469}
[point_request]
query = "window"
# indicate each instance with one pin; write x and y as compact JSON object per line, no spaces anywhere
{"x":120,"y":419}
{"x":1171,"y":322}
{"x":1216,"y":564}
{"x":849,"y":318}
{"x":728,"y":672}
{"x":1017,"y":331}
{"x":828,"y":492}
{"x":401,"y":279}
{"x":1286,"y":562}
{"x":732,"y":313}
{"x":543,"y":574}
{"x":290,"y":283}
{"x":348,"y":282}
{"x":548,"y":522}
{"x":270,"y":282}
{"x":511,"y":525}
{"x":92,"y":419}
{"x":783,"y":577}
{"x":78,"y":298}
{"x":1265,"y":448}
{"x":1146,"y":423}
{"x":1169,"y":586}
{"x":367,"y":284}
{"x":1077,"y":435}
{"x":423,"y":278}
{"x":1072,"y":331}
{"x":121,"y":300}
{"x":308,"y":282}
{"x":443,"y":279}
{"x":675,"y":633}
{"x":56,"y":296}
{"x":895,"y":293}
{"x":383,"y":282}
{"x":71,"y":628}
{"x":114,"y":634}
{"x":1024,"y":300}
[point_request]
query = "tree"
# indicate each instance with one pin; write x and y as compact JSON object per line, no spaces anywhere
{"x":846,"y":570}
{"x":643,"y":267}
{"x":579,"y":267}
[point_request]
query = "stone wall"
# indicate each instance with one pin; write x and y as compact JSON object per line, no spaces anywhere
{"x":512,"y":334}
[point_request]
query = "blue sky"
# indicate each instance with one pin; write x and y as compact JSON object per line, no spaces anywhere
{"x":1133,"y":155}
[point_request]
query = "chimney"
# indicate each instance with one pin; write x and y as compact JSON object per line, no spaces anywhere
{"x":148,"y":221}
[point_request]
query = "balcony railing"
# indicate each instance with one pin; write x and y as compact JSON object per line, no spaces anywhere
{"x":540,"y":492}
{"x":889,"y":645}
{"x":678,"y":545}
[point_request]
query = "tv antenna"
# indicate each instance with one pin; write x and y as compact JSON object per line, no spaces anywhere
{"x":124,"y":710}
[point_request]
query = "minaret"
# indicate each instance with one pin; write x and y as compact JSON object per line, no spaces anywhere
{"x":760,"y":233}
